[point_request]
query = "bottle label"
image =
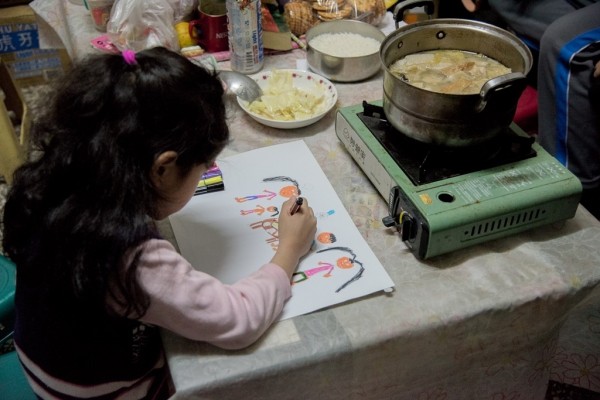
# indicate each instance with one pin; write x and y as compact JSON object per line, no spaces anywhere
{"x":245,"y":35}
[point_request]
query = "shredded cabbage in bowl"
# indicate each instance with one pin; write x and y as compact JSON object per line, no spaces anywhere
{"x":282,"y":101}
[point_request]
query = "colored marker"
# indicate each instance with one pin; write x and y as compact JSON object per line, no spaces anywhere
{"x":209,"y":189}
{"x":296,"y":205}
{"x":210,"y":181}
{"x":210,"y":174}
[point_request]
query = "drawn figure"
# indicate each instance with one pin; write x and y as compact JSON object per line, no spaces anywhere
{"x":288,"y":191}
{"x":304,"y":275}
{"x":322,"y":214}
{"x":271,"y":226}
{"x":269,"y":196}
{"x":326,"y":237}
{"x":346,"y":263}
{"x":259,"y":210}
{"x":285,"y":179}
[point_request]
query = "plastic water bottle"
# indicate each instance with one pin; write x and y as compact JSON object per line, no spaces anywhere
{"x":245,"y":35}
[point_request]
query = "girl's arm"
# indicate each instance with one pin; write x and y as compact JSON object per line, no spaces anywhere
{"x":198,"y":306}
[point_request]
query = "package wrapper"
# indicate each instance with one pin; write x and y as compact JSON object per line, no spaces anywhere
{"x":143,"y":24}
{"x":301,"y":15}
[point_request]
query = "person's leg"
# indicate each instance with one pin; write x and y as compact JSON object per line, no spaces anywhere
{"x":529,"y":19}
{"x":569,"y":127}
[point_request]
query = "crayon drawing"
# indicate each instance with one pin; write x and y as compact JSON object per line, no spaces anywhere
{"x":259,"y":210}
{"x":266,"y":194}
{"x":326,"y":237}
{"x":347,"y":263}
{"x":271,"y":227}
{"x":287,"y":191}
{"x":342,"y":262}
{"x":231,"y":233}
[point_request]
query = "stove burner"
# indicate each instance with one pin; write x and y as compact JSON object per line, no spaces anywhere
{"x":425,"y":163}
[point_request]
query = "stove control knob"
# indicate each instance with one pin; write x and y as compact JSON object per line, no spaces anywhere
{"x":389,"y":221}
{"x":408,"y":231}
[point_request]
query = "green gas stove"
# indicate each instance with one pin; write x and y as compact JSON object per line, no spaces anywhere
{"x":443,"y":199}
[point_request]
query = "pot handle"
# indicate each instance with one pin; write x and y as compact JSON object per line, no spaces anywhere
{"x":408,"y":4}
{"x":502,"y":91}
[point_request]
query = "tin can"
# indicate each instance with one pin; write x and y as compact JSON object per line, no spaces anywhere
{"x":245,"y":35}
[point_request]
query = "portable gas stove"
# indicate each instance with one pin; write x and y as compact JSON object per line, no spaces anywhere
{"x":442,"y":199}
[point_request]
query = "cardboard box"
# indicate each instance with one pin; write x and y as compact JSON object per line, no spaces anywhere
{"x":14,"y":143}
{"x":276,"y":33}
{"x":10,"y":3}
{"x":19,"y":49}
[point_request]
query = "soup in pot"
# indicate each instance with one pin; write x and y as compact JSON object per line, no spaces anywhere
{"x":448,"y":71}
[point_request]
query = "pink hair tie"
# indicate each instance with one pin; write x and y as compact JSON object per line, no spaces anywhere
{"x":129,"y":57}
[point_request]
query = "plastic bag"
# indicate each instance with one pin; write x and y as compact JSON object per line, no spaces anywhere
{"x":142,"y":24}
{"x":183,"y":8}
{"x":301,"y":15}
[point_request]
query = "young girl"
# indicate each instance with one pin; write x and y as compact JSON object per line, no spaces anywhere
{"x":124,"y":142}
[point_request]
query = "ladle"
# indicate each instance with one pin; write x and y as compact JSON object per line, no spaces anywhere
{"x":242,"y":85}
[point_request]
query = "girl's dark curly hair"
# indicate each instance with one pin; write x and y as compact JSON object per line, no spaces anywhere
{"x":77,"y":209}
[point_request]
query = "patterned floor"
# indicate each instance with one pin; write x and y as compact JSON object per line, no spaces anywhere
{"x":559,"y":391}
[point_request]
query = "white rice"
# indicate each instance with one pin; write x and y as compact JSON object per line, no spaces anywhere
{"x":344,"y":44}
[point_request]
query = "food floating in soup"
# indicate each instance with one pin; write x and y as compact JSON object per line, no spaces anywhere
{"x":448,"y":71}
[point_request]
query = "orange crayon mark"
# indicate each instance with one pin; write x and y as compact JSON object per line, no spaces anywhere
{"x":344,"y":263}
{"x":289,"y":191}
{"x":326,"y":237}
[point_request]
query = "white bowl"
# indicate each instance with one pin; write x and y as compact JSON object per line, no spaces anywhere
{"x":302,"y":80}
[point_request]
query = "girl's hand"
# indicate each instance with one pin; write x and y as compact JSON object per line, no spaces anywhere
{"x":472,"y":5}
{"x":296,"y":234}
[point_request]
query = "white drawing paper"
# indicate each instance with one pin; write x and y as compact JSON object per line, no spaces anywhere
{"x":231,"y":233}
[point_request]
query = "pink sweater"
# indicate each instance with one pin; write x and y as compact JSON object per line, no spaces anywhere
{"x":186,"y":301}
{"x":199,"y":307}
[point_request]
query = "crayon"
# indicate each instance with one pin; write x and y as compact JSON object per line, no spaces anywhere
{"x":209,"y":189}
{"x":210,"y":181}
{"x":210,"y":174}
{"x":296,"y":205}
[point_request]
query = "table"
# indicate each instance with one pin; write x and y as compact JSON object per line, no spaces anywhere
{"x":494,"y":321}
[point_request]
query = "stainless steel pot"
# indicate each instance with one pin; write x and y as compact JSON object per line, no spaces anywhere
{"x":344,"y":69}
{"x":449,"y":119}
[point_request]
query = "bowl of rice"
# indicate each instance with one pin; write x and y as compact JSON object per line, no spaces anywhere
{"x":344,"y":50}
{"x":291,"y":98}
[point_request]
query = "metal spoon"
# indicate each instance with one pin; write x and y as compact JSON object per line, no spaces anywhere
{"x":242,"y":85}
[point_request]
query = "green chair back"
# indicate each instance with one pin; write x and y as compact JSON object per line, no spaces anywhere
{"x":13,"y":383}
{"x":8,"y":281}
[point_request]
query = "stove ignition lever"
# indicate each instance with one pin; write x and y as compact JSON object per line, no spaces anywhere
{"x":389,"y":221}
{"x":405,"y":225}
{"x":408,"y":227}
{"x":394,"y":203}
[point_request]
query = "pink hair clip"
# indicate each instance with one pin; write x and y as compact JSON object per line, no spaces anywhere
{"x":129,"y":56}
